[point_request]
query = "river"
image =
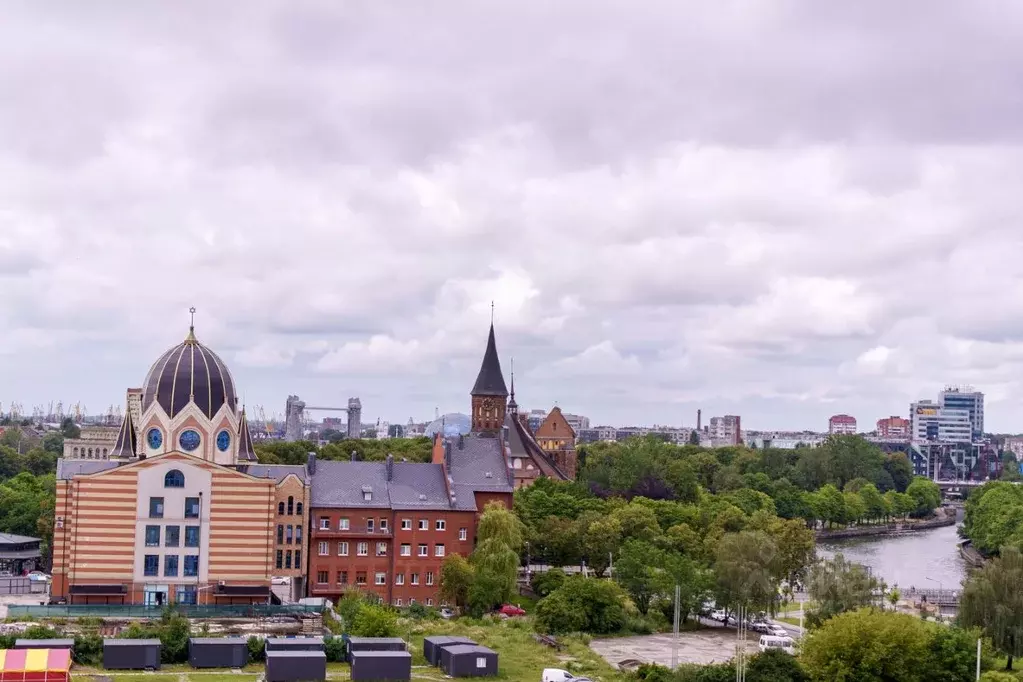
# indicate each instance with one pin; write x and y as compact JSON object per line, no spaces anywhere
{"x":906,"y":560}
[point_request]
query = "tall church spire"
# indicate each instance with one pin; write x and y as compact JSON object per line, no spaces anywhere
{"x":513,"y":406}
{"x":490,"y":380}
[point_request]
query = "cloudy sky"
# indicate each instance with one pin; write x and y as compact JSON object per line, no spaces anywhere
{"x":776,"y":209}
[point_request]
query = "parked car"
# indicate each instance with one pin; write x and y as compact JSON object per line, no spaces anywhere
{"x":559,"y":675}
{"x":761,"y":627}
{"x":721,"y":616}
{"x":280,"y":580}
{"x":447,"y":613}
{"x":777,"y":631}
{"x":771,"y":642}
{"x":511,"y":610}
{"x":39,"y":577}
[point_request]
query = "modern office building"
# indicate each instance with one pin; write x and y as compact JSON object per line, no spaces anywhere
{"x":842,"y":424}
{"x":966,"y":399}
{"x":932,"y":422}
{"x":183,"y":514}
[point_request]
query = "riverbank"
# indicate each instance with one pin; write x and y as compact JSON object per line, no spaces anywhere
{"x":942,"y":517}
{"x":970,"y":555}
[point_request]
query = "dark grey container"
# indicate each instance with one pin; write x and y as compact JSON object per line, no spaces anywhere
{"x":294,"y":644}
{"x":44,"y":644}
{"x":433,"y":644}
{"x":218,"y":652}
{"x":381,"y":666}
{"x":375,"y":644}
{"x":467,"y":660}
{"x":131,"y":654}
{"x":296,"y":666}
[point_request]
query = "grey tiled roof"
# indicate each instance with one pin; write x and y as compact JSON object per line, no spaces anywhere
{"x":278,"y":472}
{"x":126,"y":445}
{"x":12,"y":539}
{"x":479,"y":456}
{"x":522,"y":444}
{"x":342,"y":484}
{"x":68,"y":468}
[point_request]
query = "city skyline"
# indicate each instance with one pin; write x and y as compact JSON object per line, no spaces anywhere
{"x":776,"y":212}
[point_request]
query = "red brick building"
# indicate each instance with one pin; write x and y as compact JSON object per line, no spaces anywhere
{"x":894,"y":427}
{"x":387,"y":526}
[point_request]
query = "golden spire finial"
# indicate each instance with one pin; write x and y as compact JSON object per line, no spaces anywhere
{"x":191,"y":327}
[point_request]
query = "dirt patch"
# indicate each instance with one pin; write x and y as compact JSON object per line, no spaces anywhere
{"x":713,"y":645}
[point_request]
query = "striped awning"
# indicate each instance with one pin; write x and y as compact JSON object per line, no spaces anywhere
{"x":34,"y":660}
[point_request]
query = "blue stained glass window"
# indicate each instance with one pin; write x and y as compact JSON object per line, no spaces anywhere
{"x":174,"y":479}
{"x":189,"y":440}
{"x":155,"y":438}
{"x":223,"y":440}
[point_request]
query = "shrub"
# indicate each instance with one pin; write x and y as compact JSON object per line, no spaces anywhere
{"x":174,"y":632}
{"x":774,"y":665}
{"x":7,"y":641}
{"x":88,"y":649}
{"x":257,"y":650}
{"x":374,"y":621}
{"x":996,"y":676}
{"x":40,"y":632}
{"x":334,"y":648}
{"x":545,"y":583}
{"x":582,"y":605}
{"x":420,"y":612}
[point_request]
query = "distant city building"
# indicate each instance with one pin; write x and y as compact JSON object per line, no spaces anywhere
{"x":842,"y":424}
{"x":577,"y":421}
{"x":726,"y":430}
{"x":894,"y":427}
{"x":134,"y":401}
{"x":931,"y":422}
{"x":784,"y":440}
{"x":95,"y":442}
{"x":965,"y":398}
{"x":1014,"y":444}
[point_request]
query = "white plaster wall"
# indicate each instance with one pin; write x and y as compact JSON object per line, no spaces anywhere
{"x":198,"y":483}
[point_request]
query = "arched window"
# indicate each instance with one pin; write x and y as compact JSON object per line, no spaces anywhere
{"x":90,"y":452}
{"x":74,"y":452}
{"x":291,"y":505}
{"x":174,"y":479}
{"x":298,"y":508}
{"x":280,"y":509}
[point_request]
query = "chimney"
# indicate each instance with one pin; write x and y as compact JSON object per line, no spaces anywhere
{"x":355,"y":456}
{"x":699,"y":419}
{"x":390,"y":467}
{"x":461,"y":441}
{"x":310,"y":463}
{"x":447,"y":455}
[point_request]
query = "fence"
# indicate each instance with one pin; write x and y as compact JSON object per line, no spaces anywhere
{"x":20,"y":585}
{"x":132,"y":611}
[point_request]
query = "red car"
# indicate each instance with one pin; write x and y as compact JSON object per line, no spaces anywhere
{"x":511,"y":610}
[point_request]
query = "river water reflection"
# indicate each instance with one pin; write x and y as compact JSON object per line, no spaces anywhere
{"x":907,"y":560}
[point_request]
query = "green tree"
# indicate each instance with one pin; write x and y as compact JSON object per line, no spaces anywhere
{"x":993,"y":601}
{"x":456,"y":576}
{"x":873,"y":502}
{"x":925,"y":494}
{"x":746,"y":566}
{"x":836,"y":586}
{"x":582,"y":605}
{"x":638,"y":571}
{"x":900,"y":469}
{"x":374,"y":621}
{"x":774,"y":665}
{"x":495,"y":560}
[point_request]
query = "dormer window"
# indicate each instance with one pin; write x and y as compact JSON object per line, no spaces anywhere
{"x":367,"y":493}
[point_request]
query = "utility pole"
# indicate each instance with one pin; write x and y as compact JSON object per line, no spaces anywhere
{"x":978,"y":660}
{"x":675,"y":628}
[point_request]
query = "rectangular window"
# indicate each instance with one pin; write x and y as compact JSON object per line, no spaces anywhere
{"x":362,"y":549}
{"x":406,"y":550}
{"x":298,"y":535}
{"x":424,"y":524}
{"x":170,"y":566}
{"x":415,"y":579}
{"x":463,"y":534}
{"x":441,"y":524}
{"x":287,"y":559}
{"x":156,"y":507}
{"x":423,"y":550}
{"x":342,"y":549}
{"x":397,"y":602}
{"x":324,"y":548}
{"x":342,"y":577}
{"x":324,"y":523}
{"x":429,"y":577}
{"x":429,"y":602}
{"x":298,"y":558}
{"x":411,"y":601}
{"x":360,"y":577}
{"x":289,"y":532}
{"x":383,"y":525}
{"x":186,"y":595}
{"x":438,"y":550}
{"x":381,"y":549}
{"x":191,"y":536}
{"x":367,"y":495}
{"x":369,"y":525}
{"x":152,"y":536}
{"x":322,"y":577}
{"x":152,"y":565}
{"x":191,"y":507}
{"x":381,"y":579}
{"x":191,"y":566}
{"x":406,"y":524}
{"x":481,"y":662}
{"x":280,"y":559}
{"x":399,"y":579}
{"x":280,"y":534}
{"x":342,"y":524}
{"x":172,"y":536}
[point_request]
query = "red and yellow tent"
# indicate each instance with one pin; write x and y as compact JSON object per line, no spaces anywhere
{"x":35,"y":665}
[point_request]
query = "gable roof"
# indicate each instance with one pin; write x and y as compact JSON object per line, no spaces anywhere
{"x":278,"y":472}
{"x":522,"y":444}
{"x":69,"y":468}
{"x":555,"y":425}
{"x":490,"y":380}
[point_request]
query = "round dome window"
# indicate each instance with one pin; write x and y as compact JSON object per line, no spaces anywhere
{"x":189,"y":440}
{"x":154,"y":438}
{"x":223,"y":440}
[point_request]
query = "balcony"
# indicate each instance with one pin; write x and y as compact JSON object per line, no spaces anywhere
{"x":352,"y":531}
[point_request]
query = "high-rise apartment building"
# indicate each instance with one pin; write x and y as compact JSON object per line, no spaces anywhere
{"x":726,"y":430}
{"x":893,"y":427}
{"x":842,"y":424}
{"x":965,"y":398}
{"x":931,"y":422}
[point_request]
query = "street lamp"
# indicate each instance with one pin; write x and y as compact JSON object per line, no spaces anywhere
{"x":940,"y":590}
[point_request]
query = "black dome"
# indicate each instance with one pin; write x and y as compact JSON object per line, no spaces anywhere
{"x":189,"y":372}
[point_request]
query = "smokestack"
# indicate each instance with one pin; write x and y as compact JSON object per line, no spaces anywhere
{"x":461,"y":441}
{"x":390,"y":467}
{"x":699,"y":419}
{"x":310,"y":463}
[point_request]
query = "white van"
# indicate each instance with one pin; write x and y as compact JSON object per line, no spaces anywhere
{"x":558,"y":675}
{"x":772,"y":642}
